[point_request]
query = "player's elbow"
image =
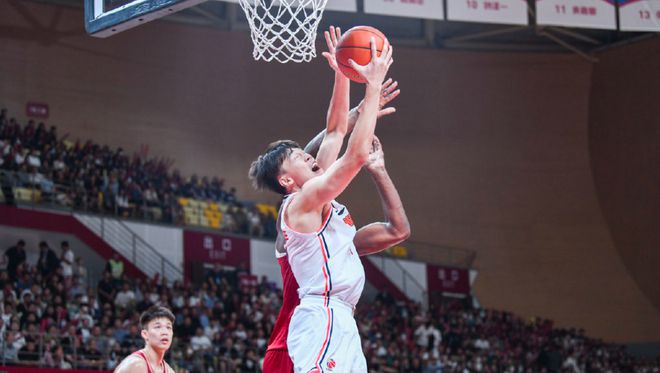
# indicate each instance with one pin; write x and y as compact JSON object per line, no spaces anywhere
{"x":402,"y":232}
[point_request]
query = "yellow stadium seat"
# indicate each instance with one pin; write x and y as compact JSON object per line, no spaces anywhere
{"x":191,"y":219}
{"x":399,"y":251}
{"x":273,"y":211}
{"x":263,"y":208}
{"x":214,"y":206}
{"x":26,"y":195}
{"x":215,"y":223}
{"x":183,"y":201}
{"x":187,"y":210}
{"x":156,"y":213}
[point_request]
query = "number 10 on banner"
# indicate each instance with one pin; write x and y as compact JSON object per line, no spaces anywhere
{"x":491,"y":11}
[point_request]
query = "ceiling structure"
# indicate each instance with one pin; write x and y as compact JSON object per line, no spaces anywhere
{"x":411,"y":32}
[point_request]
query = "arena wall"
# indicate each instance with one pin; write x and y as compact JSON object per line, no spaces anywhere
{"x":489,"y":151}
{"x":624,"y":144}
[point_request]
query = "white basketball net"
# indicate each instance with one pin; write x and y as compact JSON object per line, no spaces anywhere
{"x":283,"y":30}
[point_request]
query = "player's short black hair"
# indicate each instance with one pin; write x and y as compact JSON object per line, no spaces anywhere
{"x":155,"y":312}
{"x":265,"y":170}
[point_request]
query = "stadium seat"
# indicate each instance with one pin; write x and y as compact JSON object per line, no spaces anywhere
{"x":191,"y":219}
{"x":193,"y":203}
{"x":156,"y":213}
{"x":27,"y":195}
{"x":183,"y":201}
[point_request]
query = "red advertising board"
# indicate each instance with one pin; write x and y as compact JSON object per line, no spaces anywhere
{"x":448,"y":280}
{"x":211,"y":248}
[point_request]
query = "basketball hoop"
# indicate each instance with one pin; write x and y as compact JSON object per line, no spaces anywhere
{"x":283,"y":30}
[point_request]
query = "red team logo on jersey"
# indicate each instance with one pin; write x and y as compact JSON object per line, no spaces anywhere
{"x":349,"y":220}
{"x":331,"y":364}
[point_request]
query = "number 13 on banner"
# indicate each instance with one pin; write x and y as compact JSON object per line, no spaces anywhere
{"x":640,"y":15}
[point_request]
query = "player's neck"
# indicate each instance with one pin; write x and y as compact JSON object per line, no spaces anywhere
{"x":155,"y":357}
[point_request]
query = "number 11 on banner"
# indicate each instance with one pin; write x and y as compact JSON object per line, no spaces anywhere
{"x":599,"y":14}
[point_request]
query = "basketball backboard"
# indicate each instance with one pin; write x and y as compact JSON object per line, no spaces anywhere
{"x":104,"y":18}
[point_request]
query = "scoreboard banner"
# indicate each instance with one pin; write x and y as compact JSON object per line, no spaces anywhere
{"x":429,"y":9}
{"x":447,"y":280}
{"x":597,"y":14}
{"x":512,"y":12}
{"x":342,"y":5}
{"x":211,"y":248}
{"x":639,"y":15}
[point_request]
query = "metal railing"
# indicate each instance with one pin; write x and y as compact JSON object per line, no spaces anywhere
{"x":401,"y":277}
{"x":133,"y":247}
{"x":441,"y":255}
{"x":113,"y":231}
{"x":70,"y":198}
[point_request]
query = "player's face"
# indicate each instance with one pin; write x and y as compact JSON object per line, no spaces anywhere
{"x":300,"y":167}
{"x":158,"y":334}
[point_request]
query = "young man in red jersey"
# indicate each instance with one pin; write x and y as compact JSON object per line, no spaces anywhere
{"x":156,"y":324}
{"x":370,"y":239}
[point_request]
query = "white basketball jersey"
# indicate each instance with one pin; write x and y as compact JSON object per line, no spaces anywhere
{"x":325,"y":263}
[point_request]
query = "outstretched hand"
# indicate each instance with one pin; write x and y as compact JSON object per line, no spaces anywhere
{"x":332,"y":38}
{"x":387,"y":94}
{"x":375,"y":71}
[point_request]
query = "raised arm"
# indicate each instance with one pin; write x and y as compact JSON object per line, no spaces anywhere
{"x":322,"y":189}
{"x":388,"y":93}
{"x":395,"y":228}
{"x":337,"y":118}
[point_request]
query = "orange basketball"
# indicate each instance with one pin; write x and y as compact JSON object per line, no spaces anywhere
{"x":355,"y":44}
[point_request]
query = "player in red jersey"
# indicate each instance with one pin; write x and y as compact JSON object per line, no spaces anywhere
{"x":156,"y":324}
{"x":368,"y":240}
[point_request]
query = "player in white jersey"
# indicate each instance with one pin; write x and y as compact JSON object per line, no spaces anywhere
{"x":319,"y":233}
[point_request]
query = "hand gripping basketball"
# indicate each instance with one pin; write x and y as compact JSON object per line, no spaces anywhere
{"x":375,"y":71}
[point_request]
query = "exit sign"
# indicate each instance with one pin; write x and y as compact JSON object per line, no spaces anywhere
{"x":36,"y":110}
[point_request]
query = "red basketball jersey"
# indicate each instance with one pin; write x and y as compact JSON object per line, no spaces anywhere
{"x":290,"y":301}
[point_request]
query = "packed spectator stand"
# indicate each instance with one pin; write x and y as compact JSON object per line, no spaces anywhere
{"x":38,"y":165}
{"x":52,"y":317}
